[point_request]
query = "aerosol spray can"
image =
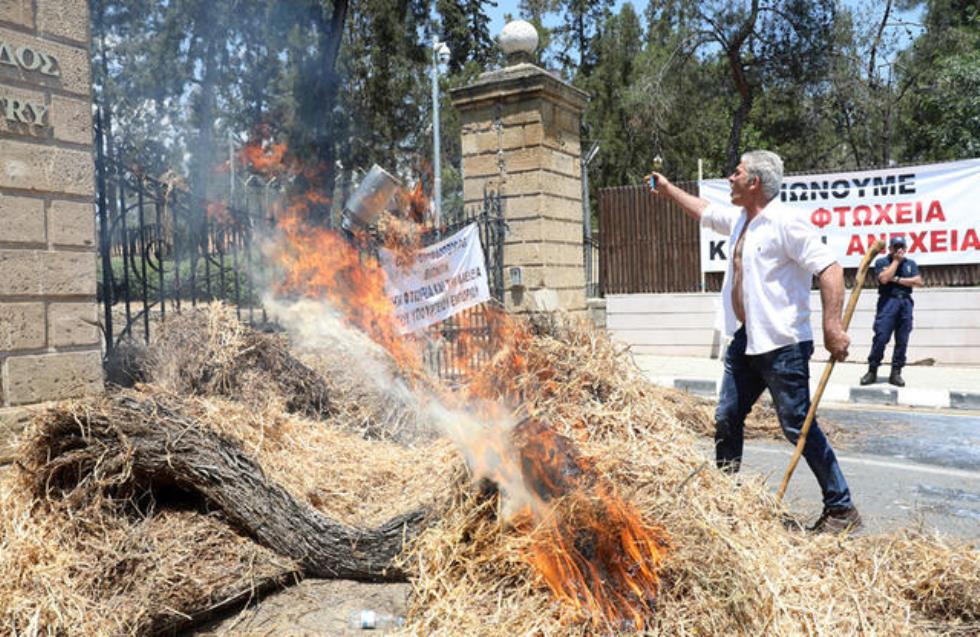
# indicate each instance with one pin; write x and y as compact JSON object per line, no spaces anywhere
{"x":658,"y":163}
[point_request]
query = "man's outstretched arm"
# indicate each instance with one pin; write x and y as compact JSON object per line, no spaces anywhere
{"x":691,"y":204}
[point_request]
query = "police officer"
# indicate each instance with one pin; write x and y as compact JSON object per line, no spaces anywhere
{"x":897,"y":275}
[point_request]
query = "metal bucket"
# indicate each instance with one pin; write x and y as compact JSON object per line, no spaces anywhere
{"x":370,"y":199}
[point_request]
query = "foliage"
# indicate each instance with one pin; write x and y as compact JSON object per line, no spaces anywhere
{"x":942,"y":113}
{"x":828,"y":85}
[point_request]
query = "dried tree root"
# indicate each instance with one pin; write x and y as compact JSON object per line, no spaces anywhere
{"x":133,"y":443}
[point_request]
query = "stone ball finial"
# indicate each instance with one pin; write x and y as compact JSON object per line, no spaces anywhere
{"x":519,"y":40}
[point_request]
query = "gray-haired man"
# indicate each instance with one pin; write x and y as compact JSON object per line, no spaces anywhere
{"x":766,"y":294}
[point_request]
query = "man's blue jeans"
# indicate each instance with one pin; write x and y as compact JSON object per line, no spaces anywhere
{"x":786,"y":373}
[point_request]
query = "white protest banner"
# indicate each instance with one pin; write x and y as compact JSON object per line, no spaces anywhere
{"x":935,"y":207}
{"x":437,"y":281}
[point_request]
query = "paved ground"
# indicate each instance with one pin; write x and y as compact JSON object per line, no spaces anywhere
{"x":918,"y":469}
{"x":890,"y":494}
{"x":314,"y":608}
{"x":937,"y":386}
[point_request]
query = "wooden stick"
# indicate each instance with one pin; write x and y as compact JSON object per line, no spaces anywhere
{"x":877,"y":247}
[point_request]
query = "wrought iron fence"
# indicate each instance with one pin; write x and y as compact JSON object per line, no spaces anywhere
{"x":161,"y":250}
{"x":455,"y":347}
{"x":593,"y":275}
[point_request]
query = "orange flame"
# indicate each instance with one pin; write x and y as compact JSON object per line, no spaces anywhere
{"x":319,"y":263}
{"x":590,"y":547}
{"x":265,"y":158}
{"x":597,"y":555}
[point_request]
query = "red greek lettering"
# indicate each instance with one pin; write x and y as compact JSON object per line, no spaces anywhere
{"x":883,"y":216}
{"x":903,"y":212}
{"x":820,"y":217}
{"x":970,"y":240}
{"x":917,"y":241}
{"x":855,"y":246}
{"x":938,"y":241}
{"x":935,"y":212}
{"x":858,"y":212}
{"x":842,"y":215}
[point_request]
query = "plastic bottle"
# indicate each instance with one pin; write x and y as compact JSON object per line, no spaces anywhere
{"x":370,"y":620}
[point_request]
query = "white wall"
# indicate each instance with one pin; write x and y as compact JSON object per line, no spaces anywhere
{"x":947,"y":324}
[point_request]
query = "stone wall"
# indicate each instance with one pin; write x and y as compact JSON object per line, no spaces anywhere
{"x":521,"y":137}
{"x":49,"y":343}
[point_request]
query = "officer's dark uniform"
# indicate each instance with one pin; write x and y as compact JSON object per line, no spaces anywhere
{"x":894,"y":314}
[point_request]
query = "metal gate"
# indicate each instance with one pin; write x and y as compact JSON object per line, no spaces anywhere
{"x":160,"y":250}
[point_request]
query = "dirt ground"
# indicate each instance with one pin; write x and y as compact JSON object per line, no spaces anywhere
{"x":312,"y":608}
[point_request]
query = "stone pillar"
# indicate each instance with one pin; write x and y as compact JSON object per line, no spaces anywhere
{"x":521,"y":137}
{"x":49,"y":345}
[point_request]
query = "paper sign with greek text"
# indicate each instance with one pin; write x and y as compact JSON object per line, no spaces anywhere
{"x":437,"y":281}
{"x":935,"y":207}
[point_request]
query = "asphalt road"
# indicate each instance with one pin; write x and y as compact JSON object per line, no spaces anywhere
{"x":905,"y":469}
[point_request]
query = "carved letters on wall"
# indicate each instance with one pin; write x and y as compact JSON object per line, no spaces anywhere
{"x":23,"y":111}
{"x":29,"y":59}
{"x":20,"y":111}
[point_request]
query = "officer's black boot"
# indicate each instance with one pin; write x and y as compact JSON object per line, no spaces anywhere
{"x":896,"y":377}
{"x":871,"y":376}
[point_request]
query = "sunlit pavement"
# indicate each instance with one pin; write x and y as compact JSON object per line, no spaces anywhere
{"x":905,"y":469}
{"x":930,"y":387}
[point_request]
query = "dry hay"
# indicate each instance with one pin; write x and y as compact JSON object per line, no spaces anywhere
{"x":89,"y":567}
{"x":207,"y":351}
{"x":86,"y":562}
{"x":592,"y":362}
{"x":105,"y":568}
{"x":735,"y":568}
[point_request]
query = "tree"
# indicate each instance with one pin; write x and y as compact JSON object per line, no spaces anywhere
{"x":465,"y":28}
{"x":942,"y":115}
{"x":866,"y":91}
{"x":625,"y":148}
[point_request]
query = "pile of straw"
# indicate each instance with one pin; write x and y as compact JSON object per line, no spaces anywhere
{"x":735,"y":569}
{"x":103,"y":566}
{"x":209,"y":352}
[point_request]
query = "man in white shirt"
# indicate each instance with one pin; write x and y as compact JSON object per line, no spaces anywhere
{"x":766,"y":294}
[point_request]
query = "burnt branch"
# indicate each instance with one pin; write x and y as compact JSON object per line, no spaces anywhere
{"x":130,"y":444}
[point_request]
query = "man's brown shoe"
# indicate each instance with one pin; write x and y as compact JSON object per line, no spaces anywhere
{"x":837,"y":521}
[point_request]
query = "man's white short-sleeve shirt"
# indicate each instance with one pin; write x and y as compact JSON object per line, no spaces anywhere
{"x":780,"y":255}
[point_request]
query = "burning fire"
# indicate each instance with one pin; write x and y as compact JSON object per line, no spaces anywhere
{"x":264,"y":157}
{"x":597,"y":555}
{"x":320,"y":263}
{"x":589,"y":546}
{"x":592,"y":548}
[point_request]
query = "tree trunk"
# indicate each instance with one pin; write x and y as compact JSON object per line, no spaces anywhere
{"x":317,"y":87}
{"x":735,"y":137}
{"x":143,"y":443}
{"x":744,"y":86}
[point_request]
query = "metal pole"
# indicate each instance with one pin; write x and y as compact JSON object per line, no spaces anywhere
{"x":587,"y":216}
{"x":104,"y":237}
{"x":231,"y":170}
{"x":436,"y":165}
{"x":704,"y":278}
